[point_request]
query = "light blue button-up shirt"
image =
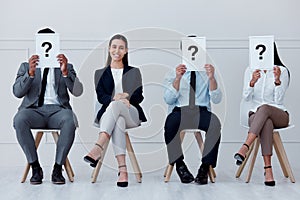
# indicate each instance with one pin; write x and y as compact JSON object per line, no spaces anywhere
{"x":180,"y":98}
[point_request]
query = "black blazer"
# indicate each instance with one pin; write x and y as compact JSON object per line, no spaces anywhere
{"x":131,"y":82}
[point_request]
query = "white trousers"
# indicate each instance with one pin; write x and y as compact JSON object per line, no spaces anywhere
{"x":115,"y":120}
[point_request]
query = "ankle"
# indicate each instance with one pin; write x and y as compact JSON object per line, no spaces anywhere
{"x":35,"y":164}
{"x":205,"y":167}
{"x":246,"y":145}
{"x":244,"y":149}
{"x":179,"y":163}
{"x":57,"y":166}
{"x":122,"y":168}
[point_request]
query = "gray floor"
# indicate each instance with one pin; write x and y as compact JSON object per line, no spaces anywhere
{"x":152,"y":187}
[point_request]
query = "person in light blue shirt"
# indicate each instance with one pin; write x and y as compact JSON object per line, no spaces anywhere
{"x":189,"y":103}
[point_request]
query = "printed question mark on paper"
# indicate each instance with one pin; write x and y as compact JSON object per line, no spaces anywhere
{"x":263,"y":49}
{"x":48,"y":48}
{"x":194,"y":51}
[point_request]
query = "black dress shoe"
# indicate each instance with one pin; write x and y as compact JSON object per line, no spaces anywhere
{"x":123,"y":183}
{"x":268,"y":183}
{"x":184,"y":174}
{"x":239,"y":158}
{"x":202,"y":177}
{"x":57,"y":177}
{"x":93,"y":162}
{"x":37,"y":176}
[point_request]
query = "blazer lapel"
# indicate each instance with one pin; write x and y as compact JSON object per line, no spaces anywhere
{"x":38,"y":78}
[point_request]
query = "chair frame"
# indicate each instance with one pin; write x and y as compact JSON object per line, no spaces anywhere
{"x":199,"y":139}
{"x":38,"y":138}
{"x":131,"y":154}
{"x":281,"y":155}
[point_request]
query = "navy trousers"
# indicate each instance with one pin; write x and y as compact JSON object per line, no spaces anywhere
{"x":192,"y":118}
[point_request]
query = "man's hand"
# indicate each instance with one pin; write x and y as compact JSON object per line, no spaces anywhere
{"x":180,"y":70}
{"x":33,"y":62}
{"x":63,"y":61}
{"x":210,"y":71}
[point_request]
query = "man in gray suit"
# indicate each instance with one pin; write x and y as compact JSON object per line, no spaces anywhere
{"x":46,"y":105}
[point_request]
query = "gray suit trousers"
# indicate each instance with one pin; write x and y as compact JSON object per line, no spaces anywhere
{"x":45,"y":117}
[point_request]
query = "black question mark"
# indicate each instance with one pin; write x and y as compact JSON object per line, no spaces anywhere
{"x":48,"y":48}
{"x":262,"y":51}
{"x":194,"y":52}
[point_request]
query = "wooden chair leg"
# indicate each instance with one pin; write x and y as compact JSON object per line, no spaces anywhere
{"x":199,"y":139}
{"x":276,"y":143}
{"x":134,"y":163}
{"x":37,"y":141}
{"x":168,"y":173}
{"x":95,"y":172}
{"x":256,"y":147}
{"x":69,"y":170}
{"x":67,"y":165}
{"x":282,"y":157}
{"x":166,"y":170}
{"x":242,"y":166}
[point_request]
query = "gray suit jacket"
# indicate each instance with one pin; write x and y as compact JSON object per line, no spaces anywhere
{"x":29,"y":88}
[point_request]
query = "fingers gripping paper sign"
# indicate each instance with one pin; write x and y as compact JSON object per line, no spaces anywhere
{"x":194,"y":53}
{"x":261,"y":52}
{"x":47,"y":48}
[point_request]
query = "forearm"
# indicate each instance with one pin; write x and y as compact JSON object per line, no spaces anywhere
{"x":176,"y":84}
{"x":213,"y":84}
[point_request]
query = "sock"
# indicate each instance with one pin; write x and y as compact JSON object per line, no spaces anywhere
{"x":57,"y":166}
{"x":35,"y":164}
{"x":179,"y":163}
{"x":205,"y":167}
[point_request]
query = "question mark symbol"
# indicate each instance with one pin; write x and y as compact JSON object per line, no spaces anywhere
{"x":48,"y":48}
{"x":262,"y":51}
{"x":194,"y":52}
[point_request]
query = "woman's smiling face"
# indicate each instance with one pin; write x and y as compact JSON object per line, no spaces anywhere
{"x":117,"y":50}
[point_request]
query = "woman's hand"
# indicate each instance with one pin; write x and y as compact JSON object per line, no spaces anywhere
{"x":255,"y":77}
{"x":277,"y":73}
{"x":120,"y":96}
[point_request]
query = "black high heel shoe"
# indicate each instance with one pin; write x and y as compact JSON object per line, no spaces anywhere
{"x":239,"y":157}
{"x":124,"y":183}
{"x":89,"y":159}
{"x":269,"y":183}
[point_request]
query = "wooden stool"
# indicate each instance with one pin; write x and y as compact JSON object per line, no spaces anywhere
{"x":281,"y":155}
{"x":38,"y":138}
{"x":199,"y":139}
{"x":133,"y":160}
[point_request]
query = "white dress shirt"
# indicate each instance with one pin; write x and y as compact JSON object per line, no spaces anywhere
{"x":117,"y":75}
{"x":265,"y":91}
{"x":50,"y":93}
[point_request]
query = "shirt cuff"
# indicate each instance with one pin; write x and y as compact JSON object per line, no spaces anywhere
{"x":173,"y":91}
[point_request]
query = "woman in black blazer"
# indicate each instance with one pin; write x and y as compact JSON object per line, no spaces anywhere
{"x":120,"y":91}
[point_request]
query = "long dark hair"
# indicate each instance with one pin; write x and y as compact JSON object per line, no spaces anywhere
{"x":277,"y":60}
{"x":125,"y":58}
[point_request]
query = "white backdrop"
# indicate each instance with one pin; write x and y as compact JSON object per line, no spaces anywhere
{"x":85,"y":25}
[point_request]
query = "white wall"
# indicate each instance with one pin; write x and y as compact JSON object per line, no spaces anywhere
{"x":84,"y":25}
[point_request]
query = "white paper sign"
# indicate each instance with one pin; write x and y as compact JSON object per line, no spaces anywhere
{"x":47,"y":48}
{"x":261,"y":52}
{"x":194,"y":53}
